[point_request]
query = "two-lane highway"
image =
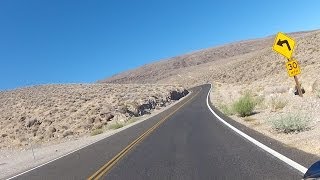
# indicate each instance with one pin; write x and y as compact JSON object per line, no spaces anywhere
{"x":184,"y":142}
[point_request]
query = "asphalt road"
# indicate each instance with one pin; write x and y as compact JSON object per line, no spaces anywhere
{"x":187,"y":143}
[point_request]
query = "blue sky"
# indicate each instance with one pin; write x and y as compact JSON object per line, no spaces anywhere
{"x":65,"y":41}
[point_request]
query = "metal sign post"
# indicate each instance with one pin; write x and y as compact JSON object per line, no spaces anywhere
{"x":284,"y":45}
{"x":294,"y":71}
{"x":298,"y":86}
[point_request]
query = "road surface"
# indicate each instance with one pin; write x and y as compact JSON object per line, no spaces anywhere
{"x":184,"y":142}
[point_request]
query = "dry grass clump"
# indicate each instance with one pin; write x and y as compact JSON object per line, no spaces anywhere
{"x":53,"y":112}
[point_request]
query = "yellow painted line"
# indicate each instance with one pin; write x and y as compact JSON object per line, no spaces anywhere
{"x":105,"y":168}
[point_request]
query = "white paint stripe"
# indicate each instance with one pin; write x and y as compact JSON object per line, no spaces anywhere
{"x":283,"y":158}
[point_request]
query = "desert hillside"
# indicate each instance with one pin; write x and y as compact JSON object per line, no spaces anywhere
{"x":50,"y":113}
{"x":212,"y":63}
{"x":252,"y":66}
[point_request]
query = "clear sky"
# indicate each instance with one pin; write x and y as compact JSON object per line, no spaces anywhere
{"x":62,"y":41}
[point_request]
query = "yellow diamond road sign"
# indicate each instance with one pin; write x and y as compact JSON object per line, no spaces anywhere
{"x":284,"y":45}
{"x":293,"y":68}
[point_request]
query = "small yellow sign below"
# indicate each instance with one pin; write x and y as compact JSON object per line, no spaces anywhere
{"x":293,"y":68}
{"x":284,"y":45}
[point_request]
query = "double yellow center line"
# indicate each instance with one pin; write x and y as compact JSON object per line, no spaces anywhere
{"x":105,"y":168}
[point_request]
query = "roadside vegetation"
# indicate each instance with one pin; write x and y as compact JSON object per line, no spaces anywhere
{"x":242,"y":107}
{"x":245,"y":105}
{"x":116,"y":125}
{"x":290,"y":123}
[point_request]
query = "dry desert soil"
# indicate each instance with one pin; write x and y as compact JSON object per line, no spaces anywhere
{"x":251,"y":66}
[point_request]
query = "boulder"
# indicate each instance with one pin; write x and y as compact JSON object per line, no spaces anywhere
{"x":67,"y":133}
{"x":52,"y":129}
{"x":32,"y":122}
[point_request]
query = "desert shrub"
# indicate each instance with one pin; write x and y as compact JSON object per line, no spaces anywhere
{"x":277,"y":103}
{"x":225,"y":109}
{"x":318,"y":93}
{"x":290,"y":123}
{"x":116,"y":125}
{"x":96,"y":132}
{"x":245,"y":105}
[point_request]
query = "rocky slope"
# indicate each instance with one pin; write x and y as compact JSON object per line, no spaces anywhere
{"x":51,"y":112}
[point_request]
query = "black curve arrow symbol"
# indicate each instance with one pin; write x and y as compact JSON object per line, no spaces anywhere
{"x":280,"y":43}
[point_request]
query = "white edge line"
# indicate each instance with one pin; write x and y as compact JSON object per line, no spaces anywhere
{"x":24,"y":172}
{"x":283,"y":158}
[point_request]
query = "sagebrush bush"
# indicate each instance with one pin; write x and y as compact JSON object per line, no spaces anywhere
{"x":290,"y":123}
{"x":245,"y":105}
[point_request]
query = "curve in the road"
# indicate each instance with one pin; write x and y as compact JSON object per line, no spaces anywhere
{"x":276,"y":154}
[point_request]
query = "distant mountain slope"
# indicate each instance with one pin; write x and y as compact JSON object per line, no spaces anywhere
{"x":172,"y":67}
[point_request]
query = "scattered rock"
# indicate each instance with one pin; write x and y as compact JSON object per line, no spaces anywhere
{"x":109,"y":117}
{"x":98,"y":126}
{"x":31,"y":122}
{"x":22,"y":119}
{"x":52,"y":129}
{"x":65,"y":127}
{"x":67,"y":133}
{"x":91,"y":120}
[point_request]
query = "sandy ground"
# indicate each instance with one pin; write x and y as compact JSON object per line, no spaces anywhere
{"x":15,"y":161}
